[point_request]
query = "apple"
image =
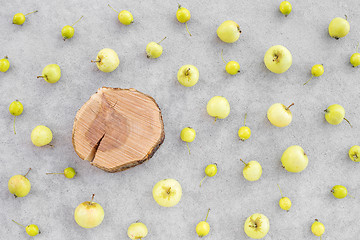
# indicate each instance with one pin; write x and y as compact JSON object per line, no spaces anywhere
{"x":339,"y":27}
{"x":257,"y":226}
{"x":218,"y":107}
{"x":107,"y":60}
{"x":89,"y":214}
{"x":279,"y":115}
{"x":51,"y":73}
{"x":252,"y":170}
{"x":229,"y":31}
{"x":354,"y":153}
{"x":167,"y":192}
{"x":278,"y":59}
{"x":294,"y":159}
{"x":19,"y":185}
{"x":137,"y":230}
{"x":188,"y":75}
{"x":41,"y":136}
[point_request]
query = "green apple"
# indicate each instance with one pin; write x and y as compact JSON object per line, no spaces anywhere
{"x":252,"y":170}
{"x":279,"y":115}
{"x":137,"y":230}
{"x":257,"y":226}
{"x":107,"y":60}
{"x":89,"y":214}
{"x":278,"y":59}
{"x":354,"y":153}
{"x":229,"y":31}
{"x":188,"y":75}
{"x":154,"y":49}
{"x":51,"y":73}
{"x":294,"y":159}
{"x":167,"y":192}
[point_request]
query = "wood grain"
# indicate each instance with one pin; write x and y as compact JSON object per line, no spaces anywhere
{"x":117,"y":129}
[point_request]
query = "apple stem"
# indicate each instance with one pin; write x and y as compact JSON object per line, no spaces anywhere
{"x":357,"y":48}
{"x":222,"y":56}
{"x":351,"y":196}
{"x":162,"y":40}
{"x":355,"y":156}
{"x":280,"y":191}
{"x":289,"y":106}
{"x":77,"y":21}
{"x":245,"y":119}
{"x":31,"y":12}
{"x":18,"y":224}
{"x":92,"y":199}
{"x":243,"y":161}
{"x":27,"y":172}
{"x":168,"y":191}
{"x":53,"y":173}
{"x":14,"y":124}
{"x":276,"y":58}
{"x":179,"y":6}
{"x":6,"y":57}
{"x":309,"y":79}
{"x":112,"y":8}
{"x":187,"y":29}
{"x":40,"y":77}
{"x":187,"y":72}
{"x":202,"y":180}
{"x":215,"y":119}
{"x":207,"y":214}
{"x":348,"y":122}
{"x":187,"y":144}
{"x":93,"y":61}
{"x":346,"y":17}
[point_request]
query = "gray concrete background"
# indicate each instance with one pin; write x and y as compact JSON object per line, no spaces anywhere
{"x":127,"y":196}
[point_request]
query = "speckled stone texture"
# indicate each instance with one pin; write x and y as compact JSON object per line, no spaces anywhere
{"x":127,"y":196}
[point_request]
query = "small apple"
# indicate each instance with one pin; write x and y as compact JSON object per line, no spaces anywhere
{"x":51,"y":73}
{"x":89,"y":214}
{"x":19,"y":185}
{"x":188,"y":75}
{"x":278,"y":59}
{"x":229,"y":31}
{"x":335,"y":114}
{"x":279,"y":115}
{"x":203,"y":228}
{"x":4,"y":64}
{"x":41,"y":136}
{"x":317,"y":228}
{"x":354,"y":153}
{"x":137,"y":230}
{"x":167,"y":192}
{"x":20,"y":18}
{"x":294,"y":159}
{"x":32,"y":229}
{"x":107,"y":60}
{"x":257,"y":226}
{"x":339,"y":27}
{"x":68,"y":31}
{"x":252,"y":170}
{"x":218,"y":107}
{"x":154,"y":50}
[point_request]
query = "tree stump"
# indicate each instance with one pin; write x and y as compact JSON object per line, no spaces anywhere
{"x":117,"y":129}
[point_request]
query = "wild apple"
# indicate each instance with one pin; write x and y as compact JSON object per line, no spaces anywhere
{"x":294,"y":159}
{"x":278,"y":59}
{"x":107,"y":60}
{"x":188,"y":75}
{"x":257,"y":226}
{"x":279,"y":115}
{"x":89,"y":214}
{"x":167,"y":192}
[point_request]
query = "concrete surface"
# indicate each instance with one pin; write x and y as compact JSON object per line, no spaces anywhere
{"x":127,"y":196}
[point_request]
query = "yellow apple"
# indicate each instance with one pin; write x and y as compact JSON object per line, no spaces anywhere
{"x":41,"y":136}
{"x":294,"y":159}
{"x":257,"y":226}
{"x":252,"y":170}
{"x":19,"y":185}
{"x":229,"y":31}
{"x":167,"y":192}
{"x":137,"y":230}
{"x":107,"y":60}
{"x":339,"y":27}
{"x":279,"y":115}
{"x":278,"y":59}
{"x":188,"y":75}
{"x":218,"y":107}
{"x":89,"y":214}
{"x":354,"y":153}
